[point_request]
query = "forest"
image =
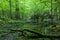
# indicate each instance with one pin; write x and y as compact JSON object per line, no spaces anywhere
{"x":29,"y":19}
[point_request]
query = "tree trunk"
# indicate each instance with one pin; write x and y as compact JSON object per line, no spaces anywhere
{"x":10,"y":13}
{"x":17,"y":14}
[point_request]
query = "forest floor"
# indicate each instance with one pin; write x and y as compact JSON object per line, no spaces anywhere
{"x":5,"y":26}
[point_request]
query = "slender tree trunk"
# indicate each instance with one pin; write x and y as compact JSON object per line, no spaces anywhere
{"x":17,"y":14}
{"x":10,"y":14}
{"x":2,"y":9}
{"x":3,"y":12}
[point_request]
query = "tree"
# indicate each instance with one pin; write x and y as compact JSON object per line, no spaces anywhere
{"x":10,"y":13}
{"x":17,"y":14}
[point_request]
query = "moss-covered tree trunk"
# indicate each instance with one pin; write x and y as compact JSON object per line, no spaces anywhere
{"x":17,"y":14}
{"x":3,"y":13}
{"x":10,"y":13}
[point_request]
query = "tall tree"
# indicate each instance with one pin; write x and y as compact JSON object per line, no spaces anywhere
{"x":17,"y":14}
{"x":2,"y":9}
{"x":10,"y":13}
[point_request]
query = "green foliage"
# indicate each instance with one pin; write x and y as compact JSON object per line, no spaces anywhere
{"x":34,"y":15}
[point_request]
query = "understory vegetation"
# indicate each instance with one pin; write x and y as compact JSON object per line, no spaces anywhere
{"x":29,"y":19}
